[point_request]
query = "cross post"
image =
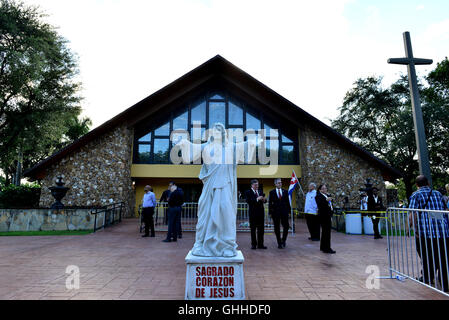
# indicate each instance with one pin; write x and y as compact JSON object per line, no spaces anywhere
{"x":420,"y":136}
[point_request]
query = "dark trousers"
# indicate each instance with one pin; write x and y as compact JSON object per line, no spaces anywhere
{"x":425,"y":247}
{"x":257,"y":228}
{"x":173,"y":214}
{"x":325,"y":242}
{"x":376,"y":226}
{"x":147,"y":214}
{"x":178,"y":223}
{"x":277,"y":221}
{"x":166,"y":215}
{"x":313,"y":224}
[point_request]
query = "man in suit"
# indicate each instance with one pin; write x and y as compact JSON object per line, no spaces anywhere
{"x":164,"y":198}
{"x":325,"y":211}
{"x":175,"y":201}
{"x":279,"y":208}
{"x":166,"y":193}
{"x":255,"y":199}
{"x":375,"y":204}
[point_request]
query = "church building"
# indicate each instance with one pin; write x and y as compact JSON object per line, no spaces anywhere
{"x":113,"y":162}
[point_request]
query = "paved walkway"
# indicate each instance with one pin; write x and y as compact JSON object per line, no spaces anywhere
{"x":118,"y":264}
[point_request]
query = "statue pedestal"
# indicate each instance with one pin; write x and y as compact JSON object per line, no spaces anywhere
{"x":215,"y":278}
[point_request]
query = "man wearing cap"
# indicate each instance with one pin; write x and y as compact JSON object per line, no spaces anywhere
{"x":148,"y":204}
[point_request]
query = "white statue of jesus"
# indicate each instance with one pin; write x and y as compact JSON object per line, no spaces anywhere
{"x":217,"y":206}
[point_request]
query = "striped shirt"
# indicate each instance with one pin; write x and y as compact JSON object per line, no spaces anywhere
{"x":429,"y":227}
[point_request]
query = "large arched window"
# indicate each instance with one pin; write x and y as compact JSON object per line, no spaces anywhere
{"x":153,"y":145}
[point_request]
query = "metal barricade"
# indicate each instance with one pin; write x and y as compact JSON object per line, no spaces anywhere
{"x":108,"y":215}
{"x":243,"y":218}
{"x":416,"y":250}
{"x":189,"y":217}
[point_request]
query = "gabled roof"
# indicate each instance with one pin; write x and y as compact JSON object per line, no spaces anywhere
{"x":215,"y":68}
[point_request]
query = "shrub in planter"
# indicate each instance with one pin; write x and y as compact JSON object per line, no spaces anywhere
{"x":24,"y":196}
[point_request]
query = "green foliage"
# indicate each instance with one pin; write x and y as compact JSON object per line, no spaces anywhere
{"x":439,"y":78}
{"x":380,"y":120}
{"x":76,"y":128}
{"x":24,"y":196}
{"x":39,"y":101}
{"x":402,"y":192}
{"x":436,"y":117}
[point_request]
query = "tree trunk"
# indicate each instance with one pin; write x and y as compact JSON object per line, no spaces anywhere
{"x":7,"y":180}
{"x":18,"y":175}
{"x":408,"y":182}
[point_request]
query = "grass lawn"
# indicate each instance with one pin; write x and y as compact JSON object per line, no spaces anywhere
{"x":47,"y":233}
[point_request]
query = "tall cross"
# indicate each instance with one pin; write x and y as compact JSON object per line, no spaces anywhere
{"x":420,"y":136}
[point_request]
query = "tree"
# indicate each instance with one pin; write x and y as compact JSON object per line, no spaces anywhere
{"x":39,"y":101}
{"x":380,"y":120}
{"x":77,"y":128}
{"x":436,"y":98}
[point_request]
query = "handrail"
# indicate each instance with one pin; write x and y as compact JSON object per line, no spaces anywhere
{"x":109,"y":211}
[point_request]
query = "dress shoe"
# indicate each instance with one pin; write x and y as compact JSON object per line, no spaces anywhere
{"x":174,"y":240}
{"x":253,"y":247}
{"x":280,"y":246}
{"x":378,"y":237}
{"x":284,"y":244}
{"x":145,"y":235}
{"x":329,"y":251}
{"x":152,"y":236}
{"x":166,"y":240}
{"x":180,"y":236}
{"x":261,"y":247}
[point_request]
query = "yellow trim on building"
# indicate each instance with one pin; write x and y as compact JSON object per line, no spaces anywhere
{"x":192,"y":171}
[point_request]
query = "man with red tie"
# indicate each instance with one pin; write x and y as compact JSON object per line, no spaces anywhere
{"x":255,"y":199}
{"x":279,"y":208}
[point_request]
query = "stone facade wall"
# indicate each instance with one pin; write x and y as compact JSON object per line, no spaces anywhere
{"x":45,"y":219}
{"x":325,"y":161}
{"x":97,"y":174}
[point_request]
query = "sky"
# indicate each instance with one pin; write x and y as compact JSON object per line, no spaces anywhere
{"x":310,"y":52}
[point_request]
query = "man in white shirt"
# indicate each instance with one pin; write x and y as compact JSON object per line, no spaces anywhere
{"x":148,"y":204}
{"x":311,"y":210}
